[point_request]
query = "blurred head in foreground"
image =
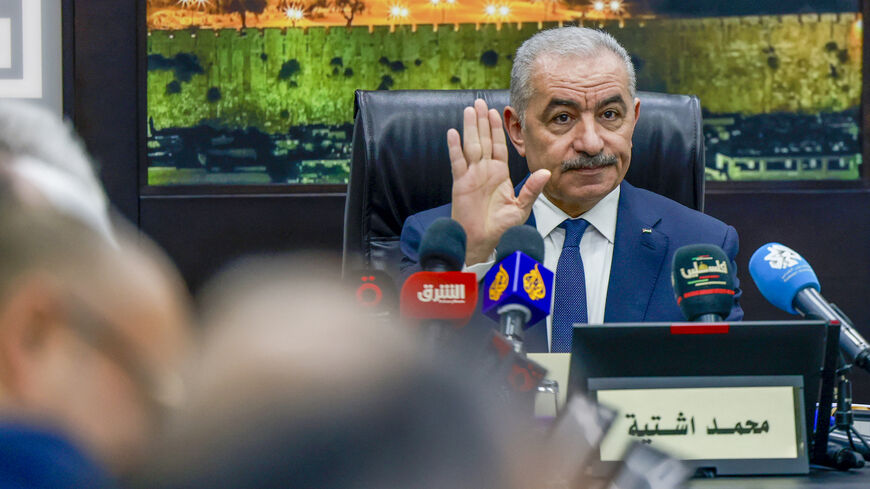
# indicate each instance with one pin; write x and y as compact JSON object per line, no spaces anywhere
{"x":43,"y":163}
{"x":294,"y":387}
{"x":90,"y":334}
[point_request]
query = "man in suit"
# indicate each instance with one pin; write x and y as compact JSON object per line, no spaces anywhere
{"x":572,"y":114}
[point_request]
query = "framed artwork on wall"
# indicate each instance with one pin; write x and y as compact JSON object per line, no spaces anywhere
{"x":260,"y":92}
{"x":31,"y":64}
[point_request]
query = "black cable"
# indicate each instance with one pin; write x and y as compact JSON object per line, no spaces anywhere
{"x":863,"y":441}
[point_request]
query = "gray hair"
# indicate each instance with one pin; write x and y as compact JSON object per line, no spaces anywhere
{"x":39,"y":149}
{"x":564,"y":41}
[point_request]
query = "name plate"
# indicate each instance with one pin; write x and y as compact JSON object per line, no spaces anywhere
{"x":706,"y":418}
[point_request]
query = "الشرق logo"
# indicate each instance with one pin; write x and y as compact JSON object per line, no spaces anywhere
{"x":781,"y":257}
{"x":444,"y":294}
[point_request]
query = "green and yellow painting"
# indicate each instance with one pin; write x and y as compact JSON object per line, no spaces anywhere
{"x":261,"y":91}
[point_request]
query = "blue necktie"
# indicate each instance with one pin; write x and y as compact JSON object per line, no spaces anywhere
{"x":569,"y":303}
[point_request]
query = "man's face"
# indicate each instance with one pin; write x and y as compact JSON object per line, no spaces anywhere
{"x":578,"y":125}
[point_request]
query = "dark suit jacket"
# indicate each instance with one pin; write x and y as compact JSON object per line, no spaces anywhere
{"x":33,"y":457}
{"x":640,"y":287}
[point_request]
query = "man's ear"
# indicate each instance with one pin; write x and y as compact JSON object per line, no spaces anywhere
{"x":29,"y":316}
{"x":636,"y":115}
{"x":515,"y":129}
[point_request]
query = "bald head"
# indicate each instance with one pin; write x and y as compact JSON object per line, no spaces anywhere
{"x":272,"y":320}
{"x":89,"y":333}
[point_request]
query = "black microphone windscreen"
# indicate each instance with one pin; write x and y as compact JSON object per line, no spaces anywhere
{"x":703,"y":281}
{"x":443,"y":243}
{"x":521,"y":238}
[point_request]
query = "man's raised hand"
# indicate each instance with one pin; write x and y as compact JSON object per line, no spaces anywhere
{"x":483,"y":195}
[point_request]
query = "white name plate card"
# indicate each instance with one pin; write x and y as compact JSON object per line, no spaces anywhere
{"x":718,"y":421}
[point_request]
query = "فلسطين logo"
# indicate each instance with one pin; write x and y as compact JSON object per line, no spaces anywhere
{"x":533,"y":283}
{"x":697,"y":270}
{"x":499,"y":284}
{"x":781,"y":257}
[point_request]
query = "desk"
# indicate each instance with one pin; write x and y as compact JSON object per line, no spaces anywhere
{"x":818,"y":478}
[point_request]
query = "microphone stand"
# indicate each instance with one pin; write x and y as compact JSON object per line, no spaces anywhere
{"x":513,"y":319}
{"x":844,"y":419}
{"x":512,"y":322}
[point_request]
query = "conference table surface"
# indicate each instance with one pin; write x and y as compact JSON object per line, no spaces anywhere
{"x":817,"y":478}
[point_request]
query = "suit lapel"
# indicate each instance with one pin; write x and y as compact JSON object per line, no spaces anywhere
{"x":638,"y":256}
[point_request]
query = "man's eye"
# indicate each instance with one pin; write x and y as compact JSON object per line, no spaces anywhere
{"x":610,"y":114}
{"x":562,"y":118}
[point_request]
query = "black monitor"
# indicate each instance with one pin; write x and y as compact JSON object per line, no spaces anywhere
{"x":720,"y":396}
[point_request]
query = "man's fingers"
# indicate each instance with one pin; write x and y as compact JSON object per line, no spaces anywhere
{"x":533,"y":187}
{"x":483,"y":128}
{"x":499,"y":144}
{"x":470,"y":136}
{"x":457,"y":159}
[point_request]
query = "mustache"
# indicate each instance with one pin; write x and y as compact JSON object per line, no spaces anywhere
{"x":585,"y":162}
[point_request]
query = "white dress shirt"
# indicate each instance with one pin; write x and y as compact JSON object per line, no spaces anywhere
{"x":596,"y":249}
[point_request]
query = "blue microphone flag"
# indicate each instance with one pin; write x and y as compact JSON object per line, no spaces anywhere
{"x":780,"y":272}
{"x":520,"y":280}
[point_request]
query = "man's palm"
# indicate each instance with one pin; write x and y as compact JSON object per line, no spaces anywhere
{"x":483,"y":195}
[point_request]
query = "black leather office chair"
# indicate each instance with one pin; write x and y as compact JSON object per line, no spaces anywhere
{"x":400,"y":164}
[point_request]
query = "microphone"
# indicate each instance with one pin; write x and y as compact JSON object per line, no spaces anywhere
{"x":507,"y":375}
{"x":518,"y":289}
{"x":441,"y":295}
{"x":788,"y":282}
{"x":520,"y":238}
{"x":573,"y":440}
{"x":521,"y":375}
{"x":442,"y":247}
{"x":373,"y":291}
{"x":703,"y":282}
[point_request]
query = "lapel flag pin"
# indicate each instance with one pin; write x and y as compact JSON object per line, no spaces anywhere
{"x":646,"y":230}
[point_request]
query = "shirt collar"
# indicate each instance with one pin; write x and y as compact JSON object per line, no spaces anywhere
{"x":602,"y":216}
